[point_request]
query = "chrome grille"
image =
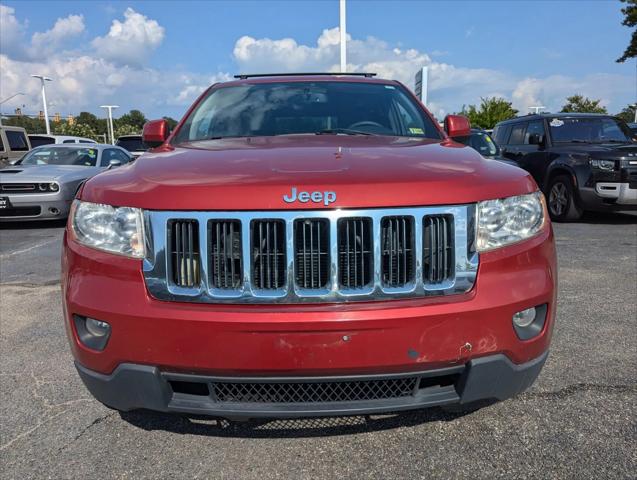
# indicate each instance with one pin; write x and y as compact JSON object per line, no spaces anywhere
{"x":268,"y":254}
{"x":397,"y":251}
{"x":225,"y":253}
{"x":312,"y":252}
{"x":355,"y":255}
{"x":310,"y":256}
{"x":438,"y":248}
{"x":184,"y":252}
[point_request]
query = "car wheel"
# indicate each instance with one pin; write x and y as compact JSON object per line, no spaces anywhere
{"x":561,"y":200}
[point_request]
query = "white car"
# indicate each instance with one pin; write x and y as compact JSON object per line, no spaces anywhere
{"x":38,"y":140}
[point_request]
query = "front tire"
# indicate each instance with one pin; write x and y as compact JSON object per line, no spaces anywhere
{"x":562,"y":204}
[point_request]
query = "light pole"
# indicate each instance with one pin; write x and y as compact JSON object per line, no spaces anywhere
{"x":343,"y":32}
{"x":537,"y":109}
{"x":46,"y":112}
{"x":6,"y":100}
{"x":110,"y":121}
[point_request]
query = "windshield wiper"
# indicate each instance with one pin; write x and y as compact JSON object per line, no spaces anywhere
{"x":344,"y":131}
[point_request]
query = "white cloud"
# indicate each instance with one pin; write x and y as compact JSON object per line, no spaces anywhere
{"x":130,"y":42}
{"x":44,"y":43}
{"x":11,"y":32}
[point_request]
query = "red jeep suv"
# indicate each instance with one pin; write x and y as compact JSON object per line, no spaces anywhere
{"x":305,"y":245}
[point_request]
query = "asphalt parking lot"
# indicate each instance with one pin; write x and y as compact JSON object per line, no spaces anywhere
{"x":578,"y":421}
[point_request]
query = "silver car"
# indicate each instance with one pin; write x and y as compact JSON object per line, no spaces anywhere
{"x":42,"y":184}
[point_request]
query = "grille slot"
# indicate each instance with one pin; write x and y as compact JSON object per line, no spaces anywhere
{"x":355,"y":252}
{"x":438,"y":249}
{"x":225,"y":254}
{"x":397,"y":251}
{"x":312,"y":252}
{"x":184,"y":252}
{"x":268,"y":254}
{"x":314,"y":392}
{"x":18,"y":187}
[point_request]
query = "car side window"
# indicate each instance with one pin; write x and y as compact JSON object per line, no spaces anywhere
{"x":534,"y":128}
{"x":69,"y":141}
{"x":501,"y":134}
{"x":517,"y":134}
{"x":17,"y":141}
{"x":1,"y":144}
{"x":114,"y":154}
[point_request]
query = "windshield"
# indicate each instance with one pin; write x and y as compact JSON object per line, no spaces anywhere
{"x":482,"y":142}
{"x":267,"y":109}
{"x":86,"y":157}
{"x":132,"y":144}
{"x":589,"y":130}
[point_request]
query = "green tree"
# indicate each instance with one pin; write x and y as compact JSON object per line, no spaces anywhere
{"x":582,"y":104}
{"x":76,"y":130}
{"x":31,"y":125}
{"x":134,"y":118}
{"x":125,"y":129}
{"x":630,"y":20}
{"x":627,"y":114}
{"x":491,"y":111}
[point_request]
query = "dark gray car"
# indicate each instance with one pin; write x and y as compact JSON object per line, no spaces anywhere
{"x":42,"y":184}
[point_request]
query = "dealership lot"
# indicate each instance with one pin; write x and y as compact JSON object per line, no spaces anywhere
{"x":578,"y":421}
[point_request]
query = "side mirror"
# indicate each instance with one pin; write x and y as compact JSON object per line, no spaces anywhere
{"x":536,"y":139}
{"x":457,"y":126}
{"x":114,"y":163}
{"x":155,"y":133}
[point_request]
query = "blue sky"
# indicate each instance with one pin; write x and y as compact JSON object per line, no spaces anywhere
{"x":157,"y":56}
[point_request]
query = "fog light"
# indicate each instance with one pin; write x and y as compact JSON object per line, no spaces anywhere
{"x":97,"y":327}
{"x":91,"y":332}
{"x":524,"y":318}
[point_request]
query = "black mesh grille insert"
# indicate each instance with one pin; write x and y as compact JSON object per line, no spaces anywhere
{"x":312,"y":252}
{"x":225,"y":254}
{"x":397,"y":251}
{"x":184,"y":252}
{"x":355,"y":252}
{"x":438,"y":248}
{"x":19,"y":187}
{"x":268,"y":254}
{"x":318,"y":392}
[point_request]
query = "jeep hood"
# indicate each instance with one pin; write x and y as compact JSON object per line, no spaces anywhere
{"x":255,"y":174}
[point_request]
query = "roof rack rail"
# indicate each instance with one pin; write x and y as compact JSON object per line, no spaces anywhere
{"x":243,"y":76}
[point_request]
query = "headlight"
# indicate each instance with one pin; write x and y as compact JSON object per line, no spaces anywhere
{"x":603,"y":164}
{"x":509,"y":220}
{"x":112,"y":229}
{"x":48,"y":187}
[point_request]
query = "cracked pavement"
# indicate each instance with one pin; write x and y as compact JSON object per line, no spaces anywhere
{"x":579,"y":420}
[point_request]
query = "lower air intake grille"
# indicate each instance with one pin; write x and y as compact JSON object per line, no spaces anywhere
{"x":225,"y":254}
{"x":184,"y":252}
{"x":318,"y":392}
{"x":312,"y":252}
{"x":397,"y":251}
{"x":438,"y":257}
{"x":355,"y":255}
{"x":268,"y":254}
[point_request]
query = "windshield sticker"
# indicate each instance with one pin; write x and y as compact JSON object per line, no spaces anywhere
{"x":556,"y":122}
{"x":416,"y":131}
{"x":390,"y":87}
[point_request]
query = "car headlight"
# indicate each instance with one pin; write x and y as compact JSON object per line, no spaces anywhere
{"x":509,"y":220}
{"x":111,"y":229}
{"x":608,"y":165}
{"x":48,"y":187}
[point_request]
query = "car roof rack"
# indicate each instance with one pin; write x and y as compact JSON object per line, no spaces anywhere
{"x":243,"y":76}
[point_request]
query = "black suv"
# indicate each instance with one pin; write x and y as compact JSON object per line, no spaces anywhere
{"x":581,"y":161}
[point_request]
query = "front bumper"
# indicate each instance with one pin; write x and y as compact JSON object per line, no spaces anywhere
{"x":621,"y":193}
{"x":133,"y":386}
{"x":154,"y":341}
{"x":46,"y":206}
